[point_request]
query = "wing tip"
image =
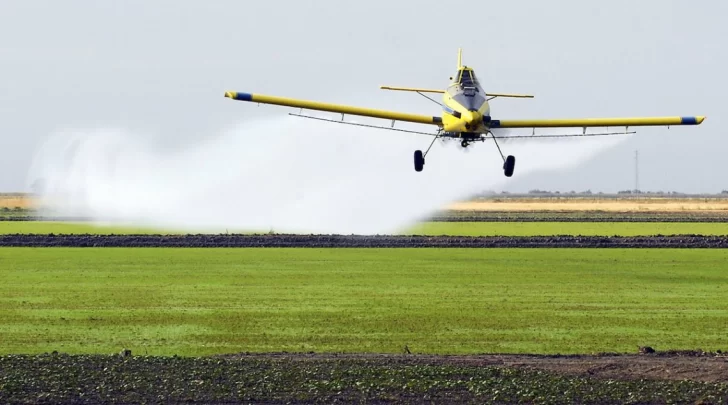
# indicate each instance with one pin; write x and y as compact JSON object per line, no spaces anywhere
{"x":239,"y":96}
{"x":697,"y":120}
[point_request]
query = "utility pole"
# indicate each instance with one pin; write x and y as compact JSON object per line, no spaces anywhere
{"x":637,"y":170}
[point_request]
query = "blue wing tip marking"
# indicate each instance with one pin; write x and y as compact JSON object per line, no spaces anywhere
{"x":239,"y":96}
{"x":243,"y":96}
{"x":691,"y":120}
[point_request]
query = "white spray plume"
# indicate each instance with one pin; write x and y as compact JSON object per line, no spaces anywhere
{"x":283,"y":174}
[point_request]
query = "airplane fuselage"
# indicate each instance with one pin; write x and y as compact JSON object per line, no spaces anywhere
{"x":465,"y":106}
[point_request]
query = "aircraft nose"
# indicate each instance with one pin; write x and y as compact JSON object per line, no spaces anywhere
{"x":472,"y":119}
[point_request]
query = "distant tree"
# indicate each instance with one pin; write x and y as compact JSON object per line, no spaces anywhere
{"x":724,"y":192}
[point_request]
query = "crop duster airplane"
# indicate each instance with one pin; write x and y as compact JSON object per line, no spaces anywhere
{"x":466,"y":116}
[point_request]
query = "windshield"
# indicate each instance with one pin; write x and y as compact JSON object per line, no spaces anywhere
{"x":466,"y":78}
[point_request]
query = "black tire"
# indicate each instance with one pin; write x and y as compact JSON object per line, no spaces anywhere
{"x":419,"y":161}
{"x":509,"y":165}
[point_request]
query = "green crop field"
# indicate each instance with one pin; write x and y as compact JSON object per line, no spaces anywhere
{"x":203,"y":301}
{"x":427,"y":228}
{"x":58,"y":227}
{"x":569,"y":228}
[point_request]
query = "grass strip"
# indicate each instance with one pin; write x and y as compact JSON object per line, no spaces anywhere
{"x":440,"y":301}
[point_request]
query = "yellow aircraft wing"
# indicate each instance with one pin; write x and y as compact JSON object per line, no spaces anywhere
{"x":337,"y":108}
{"x":598,"y":122}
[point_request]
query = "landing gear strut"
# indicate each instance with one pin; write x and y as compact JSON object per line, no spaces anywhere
{"x":509,"y":163}
{"x":420,"y":157}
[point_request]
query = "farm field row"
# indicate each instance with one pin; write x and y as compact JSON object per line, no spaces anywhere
{"x":205,"y":301}
{"x":427,"y":228}
{"x":401,"y":379}
{"x":568,"y":228}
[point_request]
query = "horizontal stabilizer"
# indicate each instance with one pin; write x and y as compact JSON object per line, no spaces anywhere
{"x":506,"y":95}
{"x":420,"y":90}
{"x":412,"y":89}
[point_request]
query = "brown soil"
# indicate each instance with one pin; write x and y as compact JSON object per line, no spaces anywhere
{"x":675,"y":366}
{"x":365,"y":241}
{"x":694,"y":368}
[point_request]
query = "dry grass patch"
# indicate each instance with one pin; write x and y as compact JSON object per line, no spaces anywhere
{"x":608,"y":205}
{"x":15,"y":201}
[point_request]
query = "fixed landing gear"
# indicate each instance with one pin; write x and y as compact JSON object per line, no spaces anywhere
{"x":419,"y":160}
{"x":420,"y":157}
{"x":508,"y":165}
{"x":509,"y":162}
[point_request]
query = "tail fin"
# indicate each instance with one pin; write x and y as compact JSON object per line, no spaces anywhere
{"x":460,"y":58}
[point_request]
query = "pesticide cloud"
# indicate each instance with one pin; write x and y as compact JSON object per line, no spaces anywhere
{"x":281,"y":174}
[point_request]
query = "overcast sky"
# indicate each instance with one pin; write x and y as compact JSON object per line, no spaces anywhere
{"x":161,"y":68}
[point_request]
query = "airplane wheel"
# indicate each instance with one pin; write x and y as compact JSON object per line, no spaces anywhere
{"x":509,"y":165}
{"x":464,"y":144}
{"x":419,"y":161}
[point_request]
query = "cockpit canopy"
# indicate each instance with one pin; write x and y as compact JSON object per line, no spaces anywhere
{"x":466,"y":90}
{"x":466,"y":78}
{"x":467,"y":81}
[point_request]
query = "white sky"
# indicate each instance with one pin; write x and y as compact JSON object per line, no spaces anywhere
{"x":161,"y":68}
